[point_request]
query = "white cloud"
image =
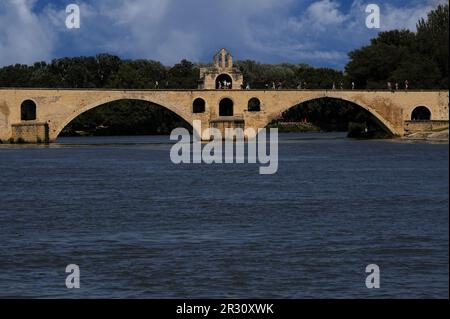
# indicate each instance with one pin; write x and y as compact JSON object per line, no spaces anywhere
{"x":325,"y":13}
{"x":406,"y":17}
{"x":25,"y":37}
{"x":324,"y":33}
{"x":134,"y":12}
{"x":320,"y":32}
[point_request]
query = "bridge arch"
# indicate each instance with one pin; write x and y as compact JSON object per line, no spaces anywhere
{"x":384,"y":123}
{"x":58,"y":128}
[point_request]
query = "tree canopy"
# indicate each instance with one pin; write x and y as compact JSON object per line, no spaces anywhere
{"x":420,"y":58}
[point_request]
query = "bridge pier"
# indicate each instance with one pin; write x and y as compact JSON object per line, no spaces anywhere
{"x":35,"y":132}
{"x":424,"y":126}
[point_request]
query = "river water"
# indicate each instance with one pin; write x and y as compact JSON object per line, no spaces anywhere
{"x":139,"y":226}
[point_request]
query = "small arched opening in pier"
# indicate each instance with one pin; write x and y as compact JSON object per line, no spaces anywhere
{"x":421,"y":113}
{"x":254,"y":105}
{"x":28,"y":110}
{"x":198,"y":106}
{"x":226,"y":107}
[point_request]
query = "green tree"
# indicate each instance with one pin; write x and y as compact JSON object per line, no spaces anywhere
{"x":138,"y":74}
{"x":374,"y":65}
{"x":433,"y":40}
{"x":399,"y":55}
{"x":183,"y":75}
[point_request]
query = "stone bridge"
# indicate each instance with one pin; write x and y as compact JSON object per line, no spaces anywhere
{"x":38,"y":115}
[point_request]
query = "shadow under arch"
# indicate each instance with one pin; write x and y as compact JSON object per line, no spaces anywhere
{"x":182,"y":119}
{"x":377,"y":118}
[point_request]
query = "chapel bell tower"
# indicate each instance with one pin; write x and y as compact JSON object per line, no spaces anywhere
{"x":222,"y":75}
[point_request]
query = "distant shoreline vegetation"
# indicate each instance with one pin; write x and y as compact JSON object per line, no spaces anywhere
{"x":396,"y":56}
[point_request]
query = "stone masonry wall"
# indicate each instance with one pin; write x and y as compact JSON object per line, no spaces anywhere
{"x":30,"y":133}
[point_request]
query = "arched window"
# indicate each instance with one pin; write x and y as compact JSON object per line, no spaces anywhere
{"x":421,"y":113}
{"x":226,"y":107}
{"x":198,"y":106}
{"x":224,"y":81}
{"x":254,"y":105}
{"x":28,"y":111}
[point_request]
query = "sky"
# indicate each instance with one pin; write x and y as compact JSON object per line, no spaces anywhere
{"x":316,"y":32}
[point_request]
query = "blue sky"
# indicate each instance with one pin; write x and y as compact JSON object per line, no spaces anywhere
{"x":317,"y":32}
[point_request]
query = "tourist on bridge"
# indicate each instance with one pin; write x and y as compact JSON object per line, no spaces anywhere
{"x":342,"y":85}
{"x":273,"y":86}
{"x":334,"y":86}
{"x":389,"y":86}
{"x":396,"y":86}
{"x":353,"y":86}
{"x":156,"y":85}
{"x":406,"y":85}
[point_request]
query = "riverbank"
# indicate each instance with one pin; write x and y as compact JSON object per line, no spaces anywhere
{"x":295,"y":127}
{"x":442,"y":136}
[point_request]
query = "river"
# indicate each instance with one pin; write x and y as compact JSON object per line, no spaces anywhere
{"x":139,"y":226}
